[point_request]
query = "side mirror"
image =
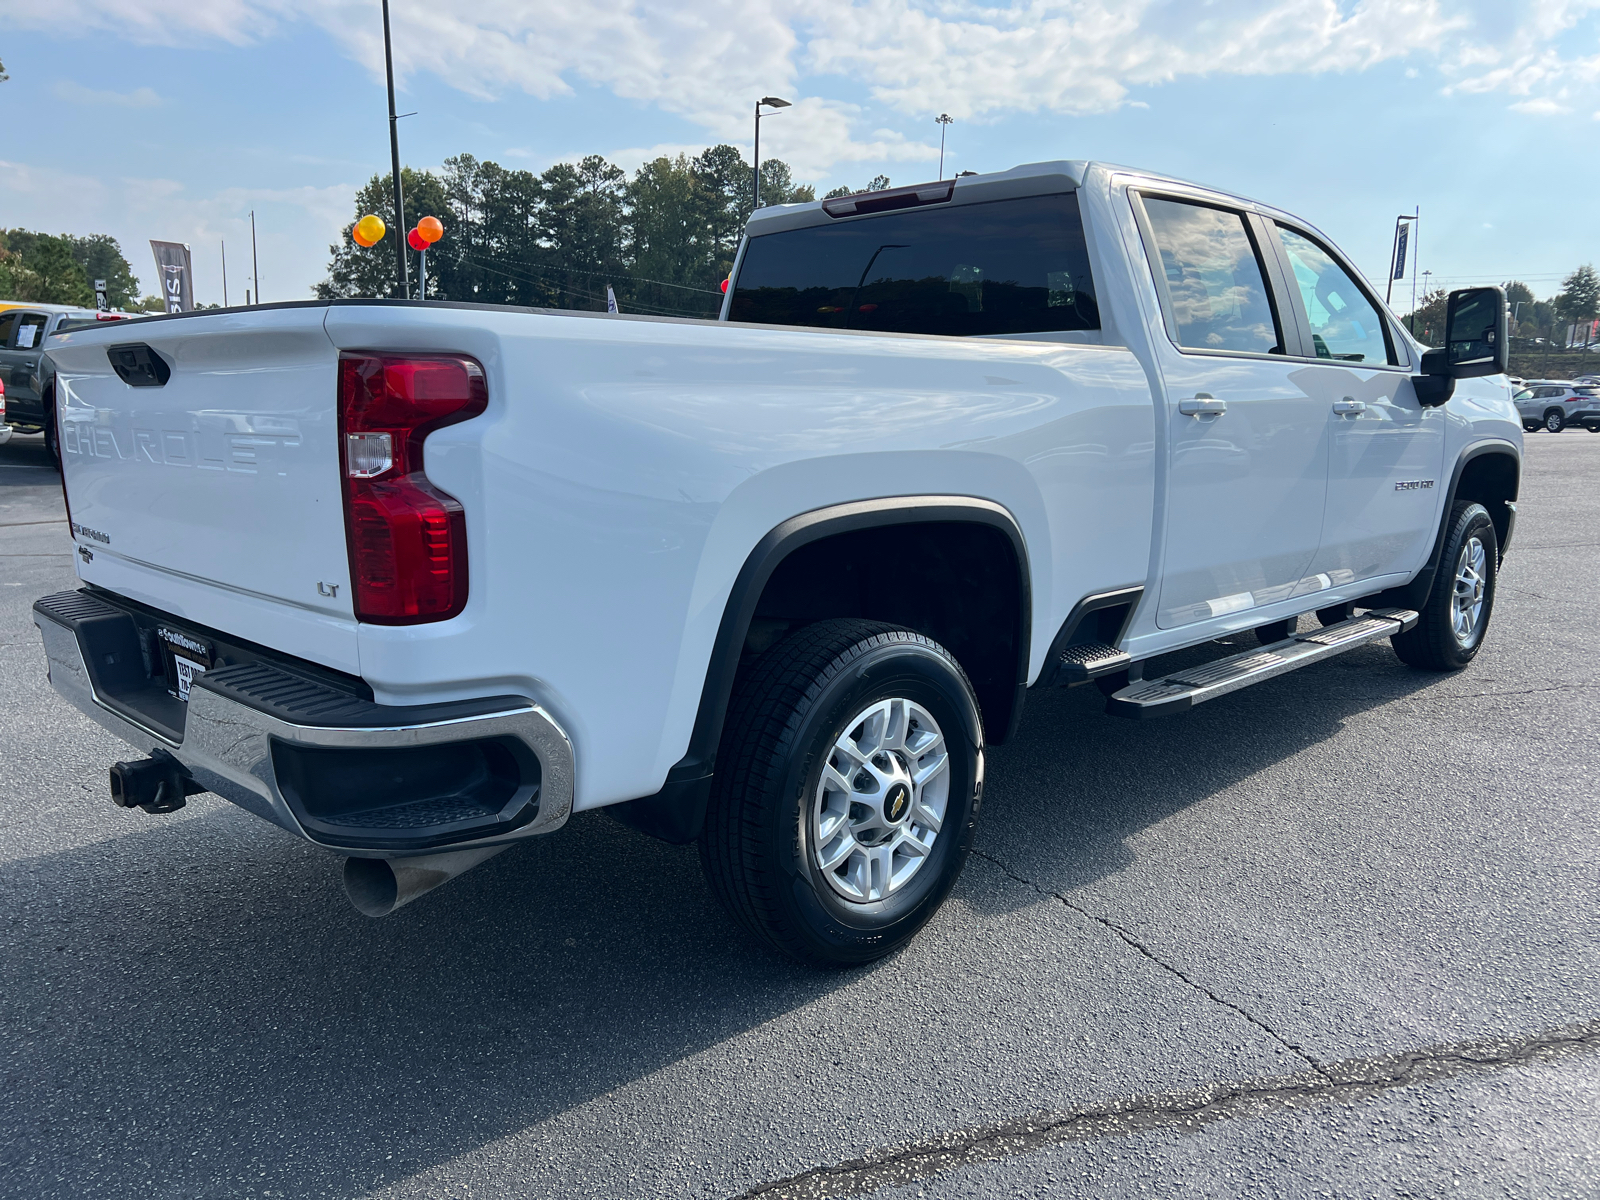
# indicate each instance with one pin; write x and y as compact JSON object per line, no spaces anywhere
{"x":1476,"y":343}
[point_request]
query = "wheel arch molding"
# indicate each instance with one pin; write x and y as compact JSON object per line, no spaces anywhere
{"x":768,"y":597}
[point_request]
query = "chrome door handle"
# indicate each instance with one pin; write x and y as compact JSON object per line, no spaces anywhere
{"x":1349,"y":406}
{"x":1203,"y":405}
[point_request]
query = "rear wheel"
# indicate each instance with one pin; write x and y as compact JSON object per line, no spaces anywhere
{"x":847,"y":790}
{"x":1277,"y":631}
{"x":1335,"y":613}
{"x":1555,"y":420}
{"x":52,"y":442}
{"x":1455,"y":616}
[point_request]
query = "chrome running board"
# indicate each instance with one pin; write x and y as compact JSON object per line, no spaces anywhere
{"x":1194,"y":685}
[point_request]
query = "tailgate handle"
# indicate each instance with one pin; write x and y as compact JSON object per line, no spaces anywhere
{"x":139,"y":366}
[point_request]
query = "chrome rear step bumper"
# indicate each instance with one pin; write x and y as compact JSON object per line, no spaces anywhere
{"x":1184,"y":689}
{"x":293,"y":750}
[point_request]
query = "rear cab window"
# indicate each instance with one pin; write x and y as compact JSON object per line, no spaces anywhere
{"x":968,"y":270}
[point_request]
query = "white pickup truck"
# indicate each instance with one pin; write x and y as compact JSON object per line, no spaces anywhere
{"x":416,"y":581}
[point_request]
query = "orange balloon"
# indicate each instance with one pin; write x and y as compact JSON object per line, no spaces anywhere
{"x":430,"y":230}
{"x":369,"y":230}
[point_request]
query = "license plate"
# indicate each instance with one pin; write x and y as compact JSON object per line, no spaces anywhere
{"x":187,"y":658}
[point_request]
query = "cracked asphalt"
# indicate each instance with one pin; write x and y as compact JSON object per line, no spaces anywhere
{"x":1334,"y":935}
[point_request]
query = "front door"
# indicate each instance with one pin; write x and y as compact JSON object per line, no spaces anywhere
{"x":1248,"y":449}
{"x":1387,"y":451}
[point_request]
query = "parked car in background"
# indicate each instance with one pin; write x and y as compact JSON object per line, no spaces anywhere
{"x":23,"y":331}
{"x":1553,"y":405}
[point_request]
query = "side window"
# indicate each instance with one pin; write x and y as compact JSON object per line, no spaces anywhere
{"x":1344,"y":323}
{"x":8,"y":326}
{"x":1214,"y":278}
{"x":30,"y":330}
{"x":1004,"y":266}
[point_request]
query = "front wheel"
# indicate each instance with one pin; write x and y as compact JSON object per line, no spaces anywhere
{"x":1555,"y":420}
{"x":1455,"y":616}
{"x":847,"y":790}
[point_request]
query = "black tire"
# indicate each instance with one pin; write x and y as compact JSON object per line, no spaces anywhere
{"x":1593,"y":426}
{"x":1335,"y":613}
{"x":1277,"y":631}
{"x":52,"y":443}
{"x":1555,"y":420}
{"x":783,"y":720}
{"x":1433,"y":644}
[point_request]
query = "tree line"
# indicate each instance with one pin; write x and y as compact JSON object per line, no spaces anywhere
{"x":663,"y":239}
{"x":1577,"y":303}
{"x":61,"y":269}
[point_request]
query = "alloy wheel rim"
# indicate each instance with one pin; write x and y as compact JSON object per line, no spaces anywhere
{"x":1466,"y":605}
{"x":881,"y":801}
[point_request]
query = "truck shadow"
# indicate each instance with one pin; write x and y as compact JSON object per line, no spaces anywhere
{"x":1073,"y":786}
{"x":193,"y":1004}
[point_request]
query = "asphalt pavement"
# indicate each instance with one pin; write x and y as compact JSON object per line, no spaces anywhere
{"x":1335,"y":935}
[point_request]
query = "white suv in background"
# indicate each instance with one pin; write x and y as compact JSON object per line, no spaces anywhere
{"x":1553,"y":405}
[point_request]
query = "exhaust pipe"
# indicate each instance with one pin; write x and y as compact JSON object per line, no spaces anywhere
{"x":378,"y":886}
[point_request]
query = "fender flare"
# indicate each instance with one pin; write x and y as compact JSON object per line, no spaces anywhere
{"x":676,"y":812}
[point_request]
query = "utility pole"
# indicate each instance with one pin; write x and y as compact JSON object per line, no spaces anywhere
{"x":401,"y":279}
{"x":224,"y":274}
{"x":1416,"y":259}
{"x":755,"y":186}
{"x":944,"y":120}
{"x":255,"y":262}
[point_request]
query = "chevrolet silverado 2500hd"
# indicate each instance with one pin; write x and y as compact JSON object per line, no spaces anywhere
{"x":416,"y":581}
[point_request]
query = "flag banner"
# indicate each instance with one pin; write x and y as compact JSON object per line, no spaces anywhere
{"x":1400,"y":251}
{"x":611,"y":300}
{"x":176,"y":273}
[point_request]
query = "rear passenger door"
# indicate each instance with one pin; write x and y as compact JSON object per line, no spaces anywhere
{"x":1386,"y":450}
{"x":1247,"y":447}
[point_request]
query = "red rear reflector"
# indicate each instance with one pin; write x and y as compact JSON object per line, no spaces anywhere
{"x":408,"y":539}
{"x":907,"y":197}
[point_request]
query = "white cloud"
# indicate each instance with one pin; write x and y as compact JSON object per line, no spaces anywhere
{"x":76,"y":93}
{"x":1542,"y":107}
{"x":978,"y":61}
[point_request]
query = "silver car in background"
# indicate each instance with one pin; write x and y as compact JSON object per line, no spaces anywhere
{"x":1552,"y":405}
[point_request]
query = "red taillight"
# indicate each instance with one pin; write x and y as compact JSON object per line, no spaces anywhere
{"x":408,"y":540}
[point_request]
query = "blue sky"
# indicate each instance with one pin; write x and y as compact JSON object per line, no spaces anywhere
{"x":173,"y":119}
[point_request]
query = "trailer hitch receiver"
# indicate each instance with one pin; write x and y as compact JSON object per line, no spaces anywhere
{"x":158,"y":784}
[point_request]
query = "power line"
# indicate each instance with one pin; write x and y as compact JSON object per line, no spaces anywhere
{"x":642,"y":306}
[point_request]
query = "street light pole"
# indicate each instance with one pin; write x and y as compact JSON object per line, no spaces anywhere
{"x":755,"y":183}
{"x":402,"y":283}
{"x":944,"y":120}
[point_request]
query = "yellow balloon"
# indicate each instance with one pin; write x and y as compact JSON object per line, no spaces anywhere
{"x":370,"y":229}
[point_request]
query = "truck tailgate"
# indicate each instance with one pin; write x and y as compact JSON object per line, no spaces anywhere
{"x":214,"y":494}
